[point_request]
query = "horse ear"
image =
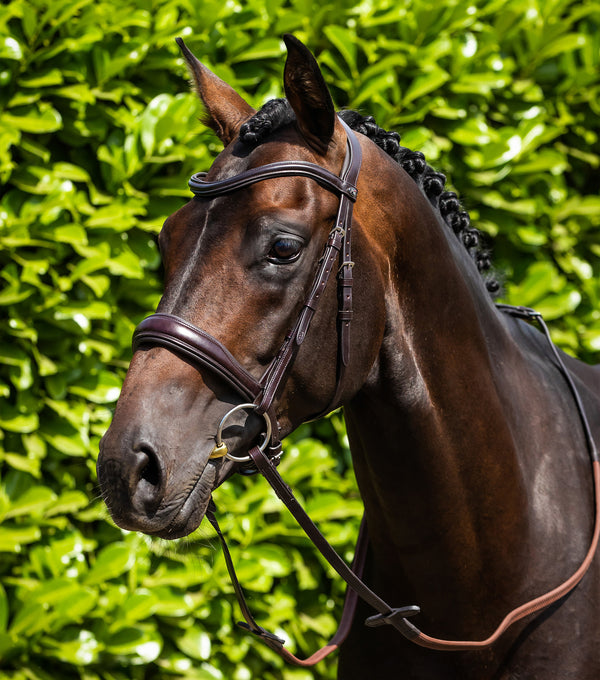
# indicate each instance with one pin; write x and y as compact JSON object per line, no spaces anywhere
{"x":308,"y":95}
{"x":225,"y":109}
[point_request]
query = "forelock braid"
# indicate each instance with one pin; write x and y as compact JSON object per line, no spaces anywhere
{"x":273,"y":115}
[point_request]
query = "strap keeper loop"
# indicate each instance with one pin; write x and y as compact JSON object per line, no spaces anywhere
{"x":262,"y":633}
{"x":348,"y":264}
{"x":398,"y":619}
{"x":338,"y":230}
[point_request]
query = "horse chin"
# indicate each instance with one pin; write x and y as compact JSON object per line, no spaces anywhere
{"x":187,"y":517}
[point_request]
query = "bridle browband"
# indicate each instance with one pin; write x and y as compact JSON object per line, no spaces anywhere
{"x":205,"y":351}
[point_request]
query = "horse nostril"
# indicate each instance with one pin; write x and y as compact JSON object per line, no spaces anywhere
{"x":151,"y":472}
{"x":148,"y":489}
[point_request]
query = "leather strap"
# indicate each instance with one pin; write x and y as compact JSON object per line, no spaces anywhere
{"x":277,"y":372}
{"x":273,"y":641}
{"x":181,"y":337}
{"x":205,"y":189}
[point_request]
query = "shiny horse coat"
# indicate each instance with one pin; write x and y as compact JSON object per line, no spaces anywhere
{"x":466,"y":441}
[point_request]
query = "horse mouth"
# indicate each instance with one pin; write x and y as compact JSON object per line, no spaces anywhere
{"x":172,"y":511}
{"x":162,"y":487}
{"x":188,"y":516}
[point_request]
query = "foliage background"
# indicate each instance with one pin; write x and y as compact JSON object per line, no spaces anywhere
{"x":98,"y":135}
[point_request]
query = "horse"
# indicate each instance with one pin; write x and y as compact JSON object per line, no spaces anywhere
{"x":470,"y":433}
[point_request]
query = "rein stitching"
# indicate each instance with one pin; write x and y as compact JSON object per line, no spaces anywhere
{"x":201,"y":348}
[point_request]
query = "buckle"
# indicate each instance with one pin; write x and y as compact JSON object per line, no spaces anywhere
{"x":261,"y":632}
{"x":392,"y":617}
{"x":519,"y":311}
{"x":249,"y":469}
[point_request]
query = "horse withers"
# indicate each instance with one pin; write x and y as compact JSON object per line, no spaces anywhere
{"x":316,"y":240}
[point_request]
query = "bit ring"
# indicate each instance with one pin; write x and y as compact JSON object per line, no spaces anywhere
{"x":221,"y":448}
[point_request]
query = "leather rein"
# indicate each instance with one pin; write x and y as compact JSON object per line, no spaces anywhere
{"x":203,"y":350}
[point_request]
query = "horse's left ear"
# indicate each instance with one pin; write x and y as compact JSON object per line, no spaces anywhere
{"x":225,"y":109}
{"x":308,"y":95}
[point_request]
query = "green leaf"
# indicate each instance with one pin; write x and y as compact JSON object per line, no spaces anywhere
{"x":13,"y":421}
{"x":4,"y":610}
{"x":69,"y":502}
{"x":556,"y":306}
{"x":50,"y":77}
{"x":425,"y":83}
{"x":32,"y":618}
{"x":172,"y":603}
{"x":140,"y":605}
{"x":345,"y":42}
{"x":263,"y":49}
{"x":327,"y":506}
{"x":75,"y":605}
{"x":143,"y":643}
{"x":102,"y":388}
{"x":566,"y":43}
{"x":46,"y":119}
{"x":195,"y":643}
{"x":479,"y":83}
{"x":33,"y":502}
{"x":111,"y":562}
{"x":542,"y":279}
{"x":12,"y":539}
{"x":72,"y":444}
{"x":73,"y":646}
{"x":474,"y":131}
{"x":71,"y":172}
{"x":273,"y":560}
{"x":10,"y":48}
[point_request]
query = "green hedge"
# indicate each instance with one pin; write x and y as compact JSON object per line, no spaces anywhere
{"x":98,"y":134}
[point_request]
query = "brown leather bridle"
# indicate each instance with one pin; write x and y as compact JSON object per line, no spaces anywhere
{"x":205,"y":351}
{"x":201,"y":348}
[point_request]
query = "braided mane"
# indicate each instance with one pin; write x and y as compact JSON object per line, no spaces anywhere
{"x":277,"y":112}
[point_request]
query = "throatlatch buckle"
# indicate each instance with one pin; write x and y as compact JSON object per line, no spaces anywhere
{"x":519,"y":311}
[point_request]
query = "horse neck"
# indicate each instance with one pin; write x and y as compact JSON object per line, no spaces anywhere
{"x":433,"y":452}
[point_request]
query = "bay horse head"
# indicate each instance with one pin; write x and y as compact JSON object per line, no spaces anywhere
{"x":239,"y":264}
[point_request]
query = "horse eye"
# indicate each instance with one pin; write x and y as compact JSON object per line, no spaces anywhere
{"x":285,"y":250}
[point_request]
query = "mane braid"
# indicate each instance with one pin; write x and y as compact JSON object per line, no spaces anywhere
{"x":277,"y":113}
